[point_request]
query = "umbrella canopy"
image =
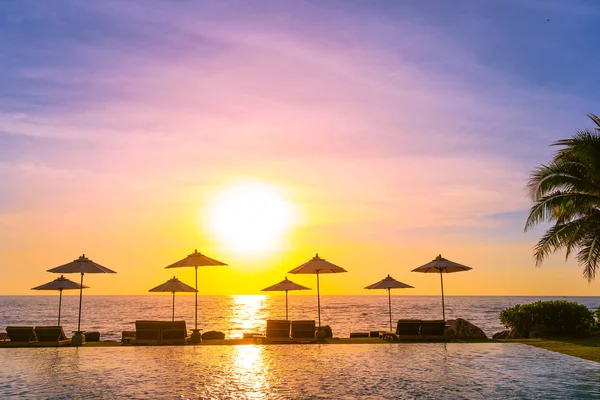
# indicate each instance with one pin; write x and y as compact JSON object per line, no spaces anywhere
{"x":318,"y":265}
{"x":441,"y":265}
{"x":196,"y":260}
{"x":173,"y":285}
{"x":285,"y":286}
{"x":389,"y":283}
{"x":60,"y":284}
{"x":82,"y":265}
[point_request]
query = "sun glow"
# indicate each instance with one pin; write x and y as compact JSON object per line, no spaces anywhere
{"x":250,"y":217}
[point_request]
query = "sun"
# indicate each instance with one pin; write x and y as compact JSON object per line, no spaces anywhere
{"x":249,"y":216}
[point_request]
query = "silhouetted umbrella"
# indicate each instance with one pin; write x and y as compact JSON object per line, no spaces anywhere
{"x":442,"y":266}
{"x":82,"y":265}
{"x":318,"y":265}
{"x":60,"y":284}
{"x":196,"y":260}
{"x":173,"y":285}
{"x":285,"y":286}
{"x":389,"y":283}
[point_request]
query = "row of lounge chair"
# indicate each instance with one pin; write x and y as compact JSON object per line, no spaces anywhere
{"x":175,"y":333}
{"x":38,"y":336}
{"x":416,"y":329}
{"x":284,"y":331}
{"x":158,"y":333}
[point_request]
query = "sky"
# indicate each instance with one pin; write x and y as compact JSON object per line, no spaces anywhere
{"x":396,"y":131}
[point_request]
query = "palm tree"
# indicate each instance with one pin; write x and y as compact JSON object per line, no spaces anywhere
{"x":566,"y":191}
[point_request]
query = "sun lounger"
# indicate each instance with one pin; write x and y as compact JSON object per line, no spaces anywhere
{"x":160,"y":332}
{"x":20,"y":336}
{"x":50,"y":336}
{"x":408,"y":329}
{"x":278,"y":331}
{"x":92,"y":336}
{"x":146,"y":332}
{"x":433,"y":330}
{"x":173,"y":332}
{"x":127,"y":336}
{"x":304,"y":331}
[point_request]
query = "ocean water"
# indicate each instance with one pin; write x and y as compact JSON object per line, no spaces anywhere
{"x":385,"y":371}
{"x":234,"y":315}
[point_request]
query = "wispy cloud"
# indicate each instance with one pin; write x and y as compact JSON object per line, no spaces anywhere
{"x":387,"y":114}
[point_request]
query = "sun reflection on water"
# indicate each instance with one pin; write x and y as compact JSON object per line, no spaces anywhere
{"x":251,"y":370}
{"x":249,"y":312}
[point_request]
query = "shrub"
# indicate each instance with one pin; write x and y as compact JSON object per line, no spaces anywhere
{"x":597,"y":315}
{"x":559,"y":316}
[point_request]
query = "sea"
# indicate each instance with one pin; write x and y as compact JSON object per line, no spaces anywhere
{"x":296,"y":371}
{"x":238,"y":314}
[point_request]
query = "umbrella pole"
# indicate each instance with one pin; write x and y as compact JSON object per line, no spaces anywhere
{"x":80,"y":298}
{"x":390,"y":306}
{"x":173,"y":314}
{"x":196,"y":309}
{"x":286,"y":305}
{"x":443,"y":306}
{"x":59,"y":304}
{"x":319,"y":300}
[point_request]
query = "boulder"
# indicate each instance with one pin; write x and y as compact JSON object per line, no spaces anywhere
{"x":327,"y":330}
{"x":213,"y":335}
{"x":501,"y":335}
{"x":460,"y":328}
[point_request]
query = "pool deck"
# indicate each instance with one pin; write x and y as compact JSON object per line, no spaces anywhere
{"x":235,"y":342}
{"x":585,"y":347}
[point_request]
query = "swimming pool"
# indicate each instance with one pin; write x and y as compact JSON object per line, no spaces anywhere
{"x":402,"y":371}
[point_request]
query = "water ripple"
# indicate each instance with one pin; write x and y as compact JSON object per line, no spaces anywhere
{"x":405,"y":371}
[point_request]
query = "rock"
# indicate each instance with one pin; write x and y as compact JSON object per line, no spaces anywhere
{"x":501,"y":335}
{"x":327,"y":330}
{"x":460,"y":328}
{"x":213,"y":335}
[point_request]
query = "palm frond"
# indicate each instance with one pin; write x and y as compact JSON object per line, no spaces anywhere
{"x":595,"y":119}
{"x":589,"y":256}
{"x":556,"y":238}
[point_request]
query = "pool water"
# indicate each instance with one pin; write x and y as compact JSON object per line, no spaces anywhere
{"x":386,"y":371}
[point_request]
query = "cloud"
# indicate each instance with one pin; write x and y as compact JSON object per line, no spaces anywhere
{"x":368,"y":106}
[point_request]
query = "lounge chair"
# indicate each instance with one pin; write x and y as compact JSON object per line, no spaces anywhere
{"x":359,"y":334}
{"x":146,"y":332}
{"x":50,"y":336}
{"x":303,"y":331}
{"x":127,"y":336}
{"x":173,"y":332}
{"x":92,"y":336}
{"x":433,"y":330}
{"x":160,"y":332}
{"x":408,"y":329}
{"x":278,"y":331}
{"x":20,"y":336}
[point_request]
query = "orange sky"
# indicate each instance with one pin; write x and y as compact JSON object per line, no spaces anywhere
{"x":137,"y":238}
